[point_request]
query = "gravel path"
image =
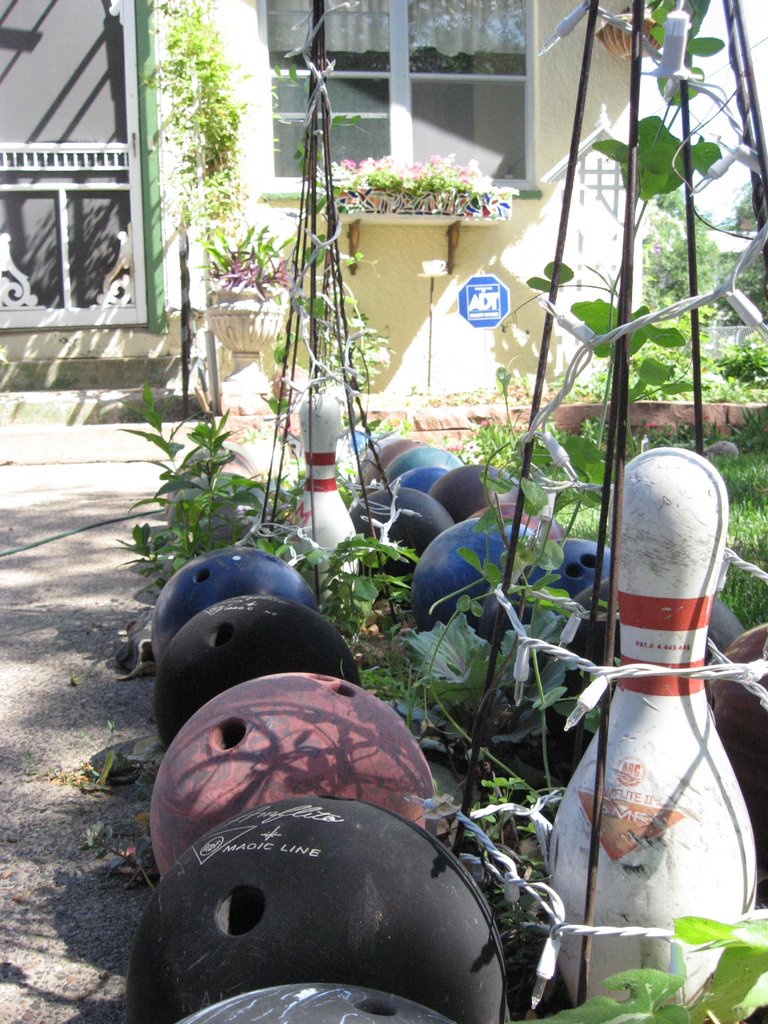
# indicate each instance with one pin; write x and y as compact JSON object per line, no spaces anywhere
{"x":66,"y":925}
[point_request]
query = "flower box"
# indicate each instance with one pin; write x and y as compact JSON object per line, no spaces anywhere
{"x":437,"y":188}
{"x":466,"y":205}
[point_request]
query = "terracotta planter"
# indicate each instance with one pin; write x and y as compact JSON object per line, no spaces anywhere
{"x":247,"y":326}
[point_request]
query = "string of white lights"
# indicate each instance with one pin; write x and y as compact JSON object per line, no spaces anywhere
{"x":499,"y":865}
{"x":748,"y":674}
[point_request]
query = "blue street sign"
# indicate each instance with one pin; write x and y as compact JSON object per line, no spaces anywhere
{"x":484,"y":301}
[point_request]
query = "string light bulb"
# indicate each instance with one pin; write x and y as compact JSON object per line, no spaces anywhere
{"x":672,"y":64}
{"x":565,"y":27}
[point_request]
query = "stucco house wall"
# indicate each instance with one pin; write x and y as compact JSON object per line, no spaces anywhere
{"x":387,"y":285}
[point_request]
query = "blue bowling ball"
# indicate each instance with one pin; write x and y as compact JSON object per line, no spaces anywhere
{"x":217,"y":576}
{"x":577,"y":570}
{"x":421,"y":478}
{"x":421,"y":455}
{"x":442,"y":571}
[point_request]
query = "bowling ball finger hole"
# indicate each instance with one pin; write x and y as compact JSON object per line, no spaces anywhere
{"x":345,"y":691}
{"x":201,"y":575}
{"x":222,"y":634}
{"x":230,"y":733}
{"x":377,"y":1006}
{"x":575,"y":569}
{"x":241,"y":911}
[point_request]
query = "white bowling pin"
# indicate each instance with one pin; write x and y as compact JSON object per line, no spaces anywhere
{"x":322,"y":512}
{"x":675,"y":836}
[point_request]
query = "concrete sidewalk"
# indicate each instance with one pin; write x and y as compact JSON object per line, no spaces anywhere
{"x":32,"y":444}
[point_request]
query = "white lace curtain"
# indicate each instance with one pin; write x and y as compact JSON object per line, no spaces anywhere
{"x":450,"y":26}
{"x":467,"y":26}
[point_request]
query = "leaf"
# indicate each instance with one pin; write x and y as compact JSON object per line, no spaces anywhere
{"x":649,"y":993}
{"x":665,"y":337}
{"x":550,"y":698}
{"x":740,"y":981}
{"x":470,"y":556}
{"x":739,"y":986}
{"x":452,"y":659}
{"x":539,"y":284}
{"x":551,"y":556}
{"x":698,"y":931}
{"x":652,"y":373}
{"x":365,"y":589}
{"x":703,"y":155}
{"x":535,"y":496}
{"x":598,"y":315}
{"x":705,"y":46}
{"x":613,"y":149}
{"x":566,"y":274}
{"x":585,"y":456}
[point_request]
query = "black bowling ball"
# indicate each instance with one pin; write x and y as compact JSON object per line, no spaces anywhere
{"x":241,"y":639}
{"x":316,"y":1004}
{"x":315,"y":888}
{"x":420,"y":520}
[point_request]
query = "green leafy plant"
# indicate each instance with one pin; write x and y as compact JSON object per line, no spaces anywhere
{"x":753,"y":435}
{"x":659,"y":155}
{"x":205,"y":506}
{"x":648,"y":1001}
{"x":740,"y":982}
{"x":745,"y":361}
{"x":255,"y":263}
{"x":354,"y":578}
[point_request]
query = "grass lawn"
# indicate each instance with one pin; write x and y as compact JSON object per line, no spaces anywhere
{"x":746,"y":478}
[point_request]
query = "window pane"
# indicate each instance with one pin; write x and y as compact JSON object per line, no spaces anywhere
{"x":369,"y":137}
{"x":94,"y":223}
{"x":64,"y":57}
{"x":356,"y":38}
{"x":456,"y":37}
{"x":483,"y":121}
{"x":33,"y":225}
{"x":347,"y":96}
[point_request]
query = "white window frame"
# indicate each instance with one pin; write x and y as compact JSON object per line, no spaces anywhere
{"x":135,"y":311}
{"x":400,"y":78}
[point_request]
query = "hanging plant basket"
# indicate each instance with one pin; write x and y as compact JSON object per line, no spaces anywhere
{"x":618,"y":42}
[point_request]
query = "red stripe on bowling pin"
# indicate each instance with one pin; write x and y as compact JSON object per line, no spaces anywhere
{"x":320,"y":485}
{"x":681,"y":630}
{"x":322,"y":510}
{"x":320,"y":458}
{"x":675,"y":613}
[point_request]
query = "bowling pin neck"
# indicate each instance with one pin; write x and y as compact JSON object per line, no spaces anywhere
{"x":320,"y":421}
{"x":321,"y":471}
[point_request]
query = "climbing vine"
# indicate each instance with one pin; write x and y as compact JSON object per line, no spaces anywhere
{"x":204,"y":117}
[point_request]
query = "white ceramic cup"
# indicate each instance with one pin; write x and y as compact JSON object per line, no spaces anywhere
{"x":433,"y":268}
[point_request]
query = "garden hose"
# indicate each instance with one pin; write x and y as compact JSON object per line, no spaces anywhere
{"x":71,"y":533}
